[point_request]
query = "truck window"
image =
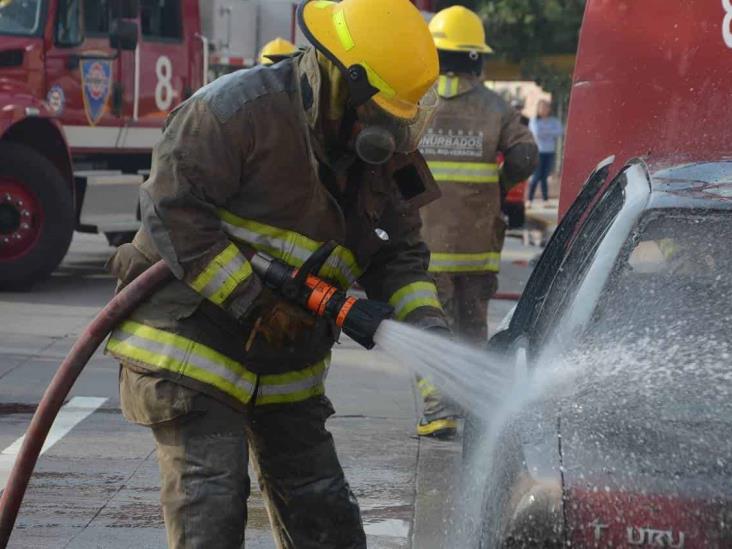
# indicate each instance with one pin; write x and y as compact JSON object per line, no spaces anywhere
{"x":22,"y":17}
{"x":161,"y":19}
{"x":96,"y":17}
{"x":69,"y":31}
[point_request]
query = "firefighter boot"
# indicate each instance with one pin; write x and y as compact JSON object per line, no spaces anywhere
{"x":439,"y":419}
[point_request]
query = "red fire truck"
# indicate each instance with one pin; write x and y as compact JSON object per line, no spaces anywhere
{"x":84,"y":88}
{"x":656,"y":88}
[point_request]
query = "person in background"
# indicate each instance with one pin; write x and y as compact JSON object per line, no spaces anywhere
{"x":547,"y":129}
{"x":465,"y":229}
{"x":276,"y":50}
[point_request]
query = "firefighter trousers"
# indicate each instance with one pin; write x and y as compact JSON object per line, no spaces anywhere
{"x":203,"y":448}
{"x":465,"y":301}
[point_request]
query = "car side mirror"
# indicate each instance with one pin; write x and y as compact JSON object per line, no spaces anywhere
{"x":123,"y":35}
{"x":125,"y":9}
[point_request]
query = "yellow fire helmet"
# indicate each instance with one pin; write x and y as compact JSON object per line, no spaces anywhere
{"x":382,"y":47}
{"x":274,"y":49}
{"x":458,"y":29}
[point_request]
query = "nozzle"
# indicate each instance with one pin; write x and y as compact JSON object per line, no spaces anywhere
{"x":364,"y":318}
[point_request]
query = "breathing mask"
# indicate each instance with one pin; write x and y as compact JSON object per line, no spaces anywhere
{"x":384,"y":134}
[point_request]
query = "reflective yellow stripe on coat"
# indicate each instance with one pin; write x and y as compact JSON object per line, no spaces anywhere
{"x":412,"y":297}
{"x":222,"y":275}
{"x":291,"y":247}
{"x":161,"y":350}
{"x":448,"y":86}
{"x":461,"y":263}
{"x":463,"y":172}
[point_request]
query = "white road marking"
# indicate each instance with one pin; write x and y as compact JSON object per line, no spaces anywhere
{"x":73,"y":413}
{"x":392,"y":528}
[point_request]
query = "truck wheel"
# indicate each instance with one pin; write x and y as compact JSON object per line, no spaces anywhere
{"x":118,"y":238}
{"x":36,"y":216}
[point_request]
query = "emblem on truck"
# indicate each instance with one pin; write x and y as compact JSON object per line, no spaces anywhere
{"x":96,"y":79}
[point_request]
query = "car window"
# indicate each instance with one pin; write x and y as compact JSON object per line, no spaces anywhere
{"x":674,"y":266}
{"x":161,"y":20}
{"x":661,"y":324}
{"x":575,"y":264}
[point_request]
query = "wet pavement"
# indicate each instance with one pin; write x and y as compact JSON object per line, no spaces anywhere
{"x":97,"y":486}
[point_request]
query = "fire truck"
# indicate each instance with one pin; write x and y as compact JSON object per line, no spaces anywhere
{"x":85,"y":86}
{"x":656,"y":88}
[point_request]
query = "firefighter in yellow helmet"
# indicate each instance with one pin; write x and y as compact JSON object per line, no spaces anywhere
{"x":319,"y":147}
{"x":275,"y":50}
{"x":465,"y":228}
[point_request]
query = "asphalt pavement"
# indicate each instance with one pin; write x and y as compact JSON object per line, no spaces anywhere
{"x":96,"y":484}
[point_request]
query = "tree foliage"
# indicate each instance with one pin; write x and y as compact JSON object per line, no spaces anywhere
{"x":524,"y":29}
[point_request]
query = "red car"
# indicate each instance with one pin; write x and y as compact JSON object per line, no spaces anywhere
{"x":618,"y":433}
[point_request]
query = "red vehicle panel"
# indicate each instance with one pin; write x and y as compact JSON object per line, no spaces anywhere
{"x":651,"y":79}
{"x":622,"y":519}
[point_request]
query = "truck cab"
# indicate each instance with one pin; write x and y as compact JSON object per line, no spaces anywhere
{"x":85,"y":86}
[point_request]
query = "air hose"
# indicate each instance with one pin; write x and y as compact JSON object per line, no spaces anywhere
{"x":115,"y":311}
{"x":358,"y":318}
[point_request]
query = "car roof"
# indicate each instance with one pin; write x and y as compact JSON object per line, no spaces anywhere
{"x":702,"y":185}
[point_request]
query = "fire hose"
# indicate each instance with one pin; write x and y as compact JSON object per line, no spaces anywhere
{"x":357,"y":318}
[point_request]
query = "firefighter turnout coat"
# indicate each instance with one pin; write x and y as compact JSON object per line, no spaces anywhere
{"x":241,"y":167}
{"x":465,"y":228}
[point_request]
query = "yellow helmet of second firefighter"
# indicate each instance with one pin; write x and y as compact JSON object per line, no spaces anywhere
{"x":383,"y":48}
{"x":278,"y":46}
{"x":458,"y":29}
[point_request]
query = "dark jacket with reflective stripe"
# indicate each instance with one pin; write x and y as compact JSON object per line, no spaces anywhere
{"x":465,"y":229}
{"x":237,"y":168}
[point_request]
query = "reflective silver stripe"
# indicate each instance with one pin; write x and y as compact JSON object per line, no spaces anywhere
{"x":263,"y":241}
{"x":488,"y":263}
{"x":338,"y":263}
{"x":222,"y":276}
{"x":413,"y":296}
{"x":295,"y":386}
{"x":290,"y":251}
{"x":184,"y":357}
{"x":464,"y":172}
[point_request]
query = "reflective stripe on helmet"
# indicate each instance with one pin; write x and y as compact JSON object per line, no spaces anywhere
{"x":464,"y":172}
{"x":346,"y":40}
{"x":455,"y":263}
{"x":222,"y":275}
{"x":291,"y":247}
{"x":163,"y":350}
{"x":344,"y":35}
{"x":413,"y":296}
